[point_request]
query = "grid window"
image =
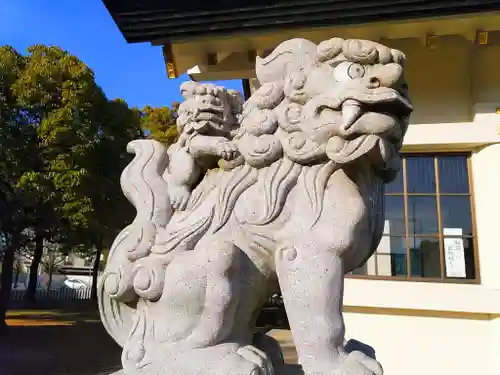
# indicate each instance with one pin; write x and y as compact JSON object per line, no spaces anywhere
{"x":428,"y":228}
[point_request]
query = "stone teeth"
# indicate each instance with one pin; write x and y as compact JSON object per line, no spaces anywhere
{"x":351,"y":110}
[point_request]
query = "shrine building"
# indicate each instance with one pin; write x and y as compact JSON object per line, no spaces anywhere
{"x":428,"y":301}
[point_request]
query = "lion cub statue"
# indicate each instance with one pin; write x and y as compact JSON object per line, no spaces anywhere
{"x":207,"y":122}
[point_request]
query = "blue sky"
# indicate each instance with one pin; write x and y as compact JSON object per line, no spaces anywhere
{"x":134,"y":72}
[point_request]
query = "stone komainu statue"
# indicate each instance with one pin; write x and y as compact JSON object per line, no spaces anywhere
{"x":282,"y":192}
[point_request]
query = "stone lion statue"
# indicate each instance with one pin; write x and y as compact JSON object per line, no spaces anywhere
{"x":284,"y":192}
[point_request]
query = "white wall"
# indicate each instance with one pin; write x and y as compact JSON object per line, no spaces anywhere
{"x":414,"y":345}
{"x":486,"y":177}
{"x":447,"y":81}
{"x":438,"y":79}
{"x":426,"y":328}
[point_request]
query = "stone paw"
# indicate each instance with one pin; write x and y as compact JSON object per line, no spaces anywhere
{"x":179,"y":196}
{"x":271,"y":347}
{"x":258,"y":358}
{"x":227,"y":150}
{"x":357,"y":363}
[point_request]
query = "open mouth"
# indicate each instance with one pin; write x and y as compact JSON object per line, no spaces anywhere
{"x":381,"y":100}
{"x":354,"y":103}
{"x":210,"y":108}
{"x":209,"y":112}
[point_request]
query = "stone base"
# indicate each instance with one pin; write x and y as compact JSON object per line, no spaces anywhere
{"x":285,"y":369}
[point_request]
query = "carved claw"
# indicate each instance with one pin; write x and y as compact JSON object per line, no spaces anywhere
{"x":256,"y":356}
{"x":227,"y":150}
{"x":179,"y":196}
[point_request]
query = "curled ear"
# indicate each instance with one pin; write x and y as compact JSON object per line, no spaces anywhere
{"x":291,"y":55}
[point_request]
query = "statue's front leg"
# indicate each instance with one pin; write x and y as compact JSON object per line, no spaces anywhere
{"x":311,"y":278}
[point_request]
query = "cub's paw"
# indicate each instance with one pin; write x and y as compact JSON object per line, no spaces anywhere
{"x":227,"y":150}
{"x":179,"y":196}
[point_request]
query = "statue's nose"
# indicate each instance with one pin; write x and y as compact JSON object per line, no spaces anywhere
{"x":390,"y":75}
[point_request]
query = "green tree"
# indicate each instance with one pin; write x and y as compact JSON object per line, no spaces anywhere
{"x":17,"y":139}
{"x":58,"y":94}
{"x":18,"y":156}
{"x":62,"y":149}
{"x":159,"y":123}
{"x":111,"y":210}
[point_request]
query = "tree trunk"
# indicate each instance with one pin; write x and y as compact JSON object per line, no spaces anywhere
{"x":6,"y":279}
{"x":51,"y":262}
{"x":16,"y":276}
{"x":95,"y":274}
{"x":51,"y":272}
{"x":35,"y":264}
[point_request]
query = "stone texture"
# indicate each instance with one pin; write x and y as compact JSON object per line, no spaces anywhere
{"x":282,"y":192}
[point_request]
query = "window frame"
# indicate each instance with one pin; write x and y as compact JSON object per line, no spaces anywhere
{"x":440,"y":236}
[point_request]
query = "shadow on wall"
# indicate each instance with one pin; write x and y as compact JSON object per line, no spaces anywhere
{"x":355,"y":345}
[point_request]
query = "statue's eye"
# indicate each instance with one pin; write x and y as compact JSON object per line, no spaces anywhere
{"x":348,"y":70}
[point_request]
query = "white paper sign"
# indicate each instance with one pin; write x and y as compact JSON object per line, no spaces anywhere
{"x":454,"y":253}
{"x":452,"y":231}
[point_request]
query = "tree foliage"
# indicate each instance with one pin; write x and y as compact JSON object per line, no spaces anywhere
{"x":18,"y":145}
{"x":62,"y":149}
{"x":159,"y":123}
{"x":64,"y":104}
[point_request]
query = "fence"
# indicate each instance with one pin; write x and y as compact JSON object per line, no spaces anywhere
{"x":55,"y":298}
{"x":66,"y":294}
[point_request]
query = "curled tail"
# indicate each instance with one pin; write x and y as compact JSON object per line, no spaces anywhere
{"x":143,"y":185}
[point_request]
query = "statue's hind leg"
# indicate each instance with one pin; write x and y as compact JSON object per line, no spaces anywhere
{"x":235,"y":286}
{"x":228,"y":288}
